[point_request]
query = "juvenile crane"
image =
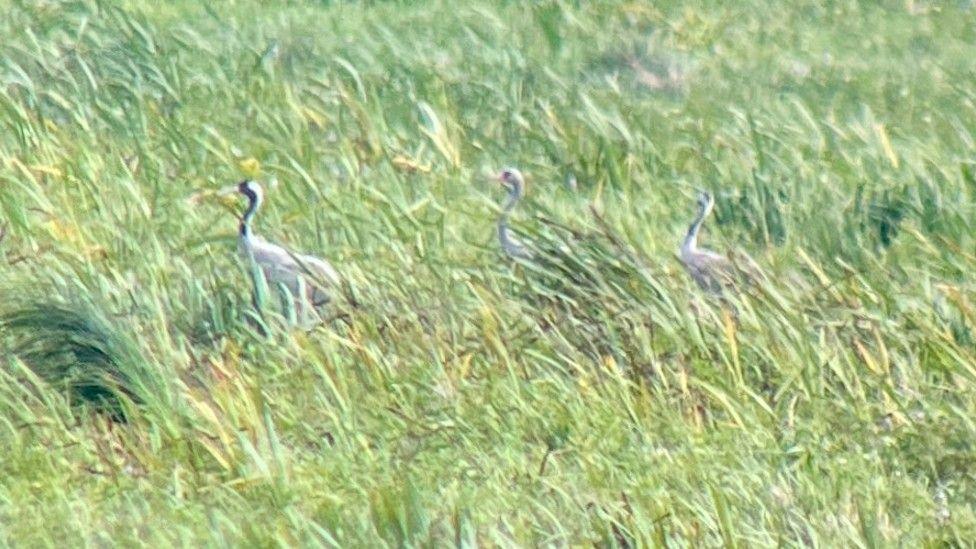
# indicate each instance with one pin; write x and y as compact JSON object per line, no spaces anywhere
{"x":560,"y":256}
{"x":512,"y":180}
{"x":578,"y":282}
{"x":307,"y":278}
{"x":710,"y":270}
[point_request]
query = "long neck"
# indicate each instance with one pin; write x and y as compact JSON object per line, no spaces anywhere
{"x":254,"y":202}
{"x":691,"y":239}
{"x":510,"y":202}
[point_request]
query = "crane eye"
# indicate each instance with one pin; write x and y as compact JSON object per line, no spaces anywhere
{"x":507,"y":174}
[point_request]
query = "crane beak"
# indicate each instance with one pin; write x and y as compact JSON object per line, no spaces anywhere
{"x":225,"y":197}
{"x":221,"y":196}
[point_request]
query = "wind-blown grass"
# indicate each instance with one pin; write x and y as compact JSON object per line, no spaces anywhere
{"x":448,"y":406}
{"x":80,"y":353}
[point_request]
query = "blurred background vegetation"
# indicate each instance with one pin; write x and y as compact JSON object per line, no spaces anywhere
{"x":450,"y":408}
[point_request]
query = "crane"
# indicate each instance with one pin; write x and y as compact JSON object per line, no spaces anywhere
{"x":512,"y":180}
{"x":710,"y":270}
{"x":307,"y":278}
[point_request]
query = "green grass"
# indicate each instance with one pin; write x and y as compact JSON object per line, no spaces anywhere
{"x":451,"y":407}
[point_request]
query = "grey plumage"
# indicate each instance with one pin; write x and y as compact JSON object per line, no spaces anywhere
{"x":513,"y":182}
{"x":308,"y":278}
{"x":713,"y":272}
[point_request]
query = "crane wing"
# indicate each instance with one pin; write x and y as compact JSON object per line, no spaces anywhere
{"x":711,"y":271}
{"x":281,"y":266}
{"x":320,"y":270}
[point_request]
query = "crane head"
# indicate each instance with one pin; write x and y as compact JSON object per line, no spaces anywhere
{"x":251,"y":189}
{"x":248,"y":187}
{"x":512,"y":180}
{"x":705,"y":201}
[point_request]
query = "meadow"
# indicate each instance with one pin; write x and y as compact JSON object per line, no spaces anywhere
{"x":444,"y":405}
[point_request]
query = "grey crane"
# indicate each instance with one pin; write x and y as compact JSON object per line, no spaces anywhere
{"x":512,"y":180}
{"x":308,"y":279}
{"x":710,"y":270}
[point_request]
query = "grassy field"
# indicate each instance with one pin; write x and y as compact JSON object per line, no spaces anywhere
{"x":451,"y":405}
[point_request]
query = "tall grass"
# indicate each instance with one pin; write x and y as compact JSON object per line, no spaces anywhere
{"x":78,"y":349}
{"x":452,"y":405}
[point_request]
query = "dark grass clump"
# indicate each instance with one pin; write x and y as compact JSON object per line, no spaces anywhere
{"x":591,"y":285}
{"x":76,"y":348}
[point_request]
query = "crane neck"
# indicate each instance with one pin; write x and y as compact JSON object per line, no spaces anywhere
{"x":513,"y":197}
{"x":691,"y":239}
{"x":254,"y":202}
{"x":503,"y":232}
